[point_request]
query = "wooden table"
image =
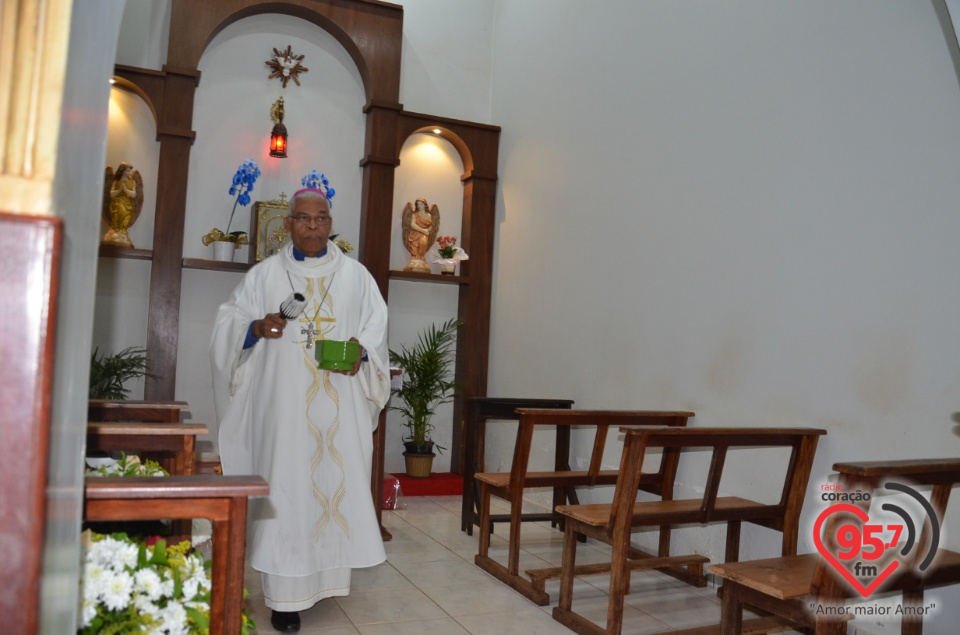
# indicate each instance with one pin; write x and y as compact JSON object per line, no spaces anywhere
{"x":477,"y":411}
{"x":222,"y":499}
{"x":376,"y":474}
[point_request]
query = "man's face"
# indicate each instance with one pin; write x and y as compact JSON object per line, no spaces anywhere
{"x":309,"y":225}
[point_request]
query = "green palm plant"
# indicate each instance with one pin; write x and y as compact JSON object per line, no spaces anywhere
{"x":426,"y":382}
{"x":109,"y":372}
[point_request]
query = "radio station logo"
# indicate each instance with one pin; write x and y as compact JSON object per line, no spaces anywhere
{"x":867,"y":553}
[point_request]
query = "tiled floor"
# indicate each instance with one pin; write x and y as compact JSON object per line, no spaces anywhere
{"x":430,"y":586}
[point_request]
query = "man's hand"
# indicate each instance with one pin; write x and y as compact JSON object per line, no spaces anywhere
{"x":270,"y":327}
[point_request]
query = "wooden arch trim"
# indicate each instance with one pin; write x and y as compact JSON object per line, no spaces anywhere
{"x":477,"y":144}
{"x":371,"y":32}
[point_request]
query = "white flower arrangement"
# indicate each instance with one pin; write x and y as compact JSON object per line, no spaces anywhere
{"x":446,"y":252}
{"x":130,"y":587}
{"x":135,"y":585}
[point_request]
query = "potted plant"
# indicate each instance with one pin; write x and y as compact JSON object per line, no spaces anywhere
{"x":426,"y":384}
{"x":109,"y":372}
{"x":225,"y":243}
{"x":448,"y":254}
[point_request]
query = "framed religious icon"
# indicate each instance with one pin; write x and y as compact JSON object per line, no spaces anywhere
{"x":268,"y":232}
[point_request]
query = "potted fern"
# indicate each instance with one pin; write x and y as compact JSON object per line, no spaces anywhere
{"x":426,"y":384}
{"x":108,"y":373}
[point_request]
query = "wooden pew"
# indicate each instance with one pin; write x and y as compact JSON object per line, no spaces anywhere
{"x":510,"y":486}
{"x":788,"y":586}
{"x":222,"y":499}
{"x":477,"y":411}
{"x":151,"y":430}
{"x":135,"y":410}
{"x":613,"y":523}
{"x":173,"y":445}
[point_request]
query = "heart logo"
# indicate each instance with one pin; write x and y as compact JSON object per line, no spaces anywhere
{"x":862,"y":515}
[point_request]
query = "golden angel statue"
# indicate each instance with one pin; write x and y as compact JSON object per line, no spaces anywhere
{"x":421,"y":222}
{"x":122,"y":201}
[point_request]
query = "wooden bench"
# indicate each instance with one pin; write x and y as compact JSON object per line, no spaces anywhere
{"x":151,"y":430}
{"x":173,"y":445}
{"x":788,"y":586}
{"x":135,"y":410}
{"x":222,"y":499}
{"x":477,"y":411}
{"x":510,"y":486}
{"x":613,"y":523}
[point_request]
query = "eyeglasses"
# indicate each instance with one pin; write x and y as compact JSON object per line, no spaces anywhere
{"x":303,"y":219}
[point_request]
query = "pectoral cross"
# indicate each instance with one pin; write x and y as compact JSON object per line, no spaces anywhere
{"x":311,"y":334}
{"x":315,"y":327}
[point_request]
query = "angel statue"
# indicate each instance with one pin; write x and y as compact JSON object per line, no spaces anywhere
{"x":420,"y":226}
{"x":122,"y":201}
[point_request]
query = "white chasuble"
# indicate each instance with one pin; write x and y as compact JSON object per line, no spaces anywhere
{"x":307,"y":432}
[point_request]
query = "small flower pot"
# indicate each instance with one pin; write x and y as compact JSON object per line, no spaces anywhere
{"x":223,"y":250}
{"x":419,"y":465}
{"x":448,"y":270}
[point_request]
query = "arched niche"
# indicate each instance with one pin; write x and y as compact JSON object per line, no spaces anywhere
{"x":430,"y":167}
{"x":132,"y":126}
{"x":121,"y":307}
{"x":372,"y":33}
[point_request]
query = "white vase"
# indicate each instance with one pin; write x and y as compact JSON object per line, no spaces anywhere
{"x":223,"y":250}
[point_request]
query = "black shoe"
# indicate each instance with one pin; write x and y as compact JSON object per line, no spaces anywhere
{"x":285,"y":622}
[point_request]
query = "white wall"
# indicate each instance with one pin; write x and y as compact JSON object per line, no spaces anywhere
{"x":446,"y":61}
{"x":746,"y":209}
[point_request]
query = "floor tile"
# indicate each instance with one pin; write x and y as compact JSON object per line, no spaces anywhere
{"x":431,"y":586}
{"x":391,"y":605}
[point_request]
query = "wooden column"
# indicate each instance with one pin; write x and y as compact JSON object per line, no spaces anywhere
{"x":379,"y":164}
{"x":163,"y":321}
{"x":473,"y":345}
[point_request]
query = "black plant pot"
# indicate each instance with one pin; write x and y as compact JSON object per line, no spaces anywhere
{"x":416,"y":448}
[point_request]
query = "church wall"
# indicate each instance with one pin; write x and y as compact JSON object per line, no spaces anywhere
{"x":746,"y":209}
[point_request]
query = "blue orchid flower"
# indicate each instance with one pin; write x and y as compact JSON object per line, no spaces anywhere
{"x":242,"y":184}
{"x":318,"y":181}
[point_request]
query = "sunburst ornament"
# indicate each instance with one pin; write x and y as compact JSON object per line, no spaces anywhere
{"x":286,"y":66}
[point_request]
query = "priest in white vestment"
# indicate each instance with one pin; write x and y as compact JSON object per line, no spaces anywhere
{"x":306,"y":431}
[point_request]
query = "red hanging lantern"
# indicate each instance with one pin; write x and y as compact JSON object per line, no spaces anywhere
{"x":278,"y":138}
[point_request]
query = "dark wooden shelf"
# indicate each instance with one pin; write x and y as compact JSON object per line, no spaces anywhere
{"x":215,"y":265}
{"x":427,"y":277}
{"x":112,"y":251}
